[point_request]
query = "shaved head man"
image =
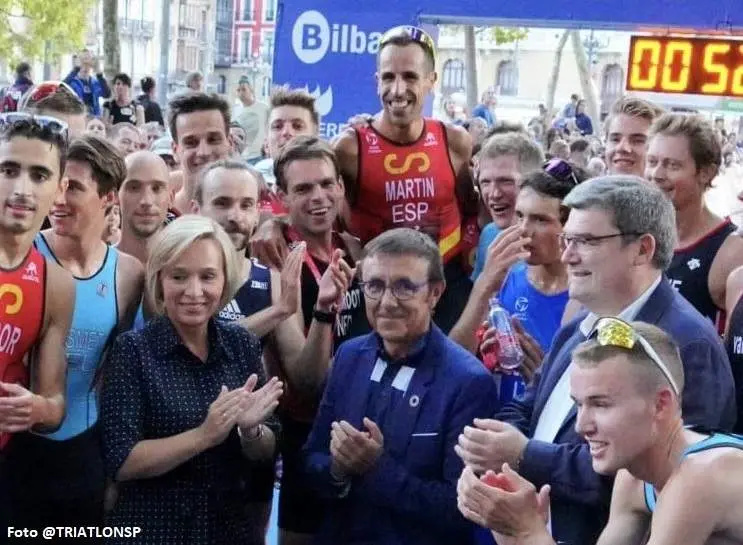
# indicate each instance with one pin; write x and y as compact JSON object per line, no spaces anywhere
{"x":144,"y":200}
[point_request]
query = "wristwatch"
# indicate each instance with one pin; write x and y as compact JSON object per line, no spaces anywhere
{"x":323,"y":317}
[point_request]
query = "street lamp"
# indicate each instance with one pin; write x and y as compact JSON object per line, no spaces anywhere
{"x":257,"y":65}
{"x":593,"y":48}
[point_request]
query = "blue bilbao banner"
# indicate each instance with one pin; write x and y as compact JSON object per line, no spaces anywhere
{"x":333,"y":56}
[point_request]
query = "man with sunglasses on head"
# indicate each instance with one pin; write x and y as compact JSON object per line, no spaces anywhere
{"x":56,"y":99}
{"x":403,"y":170}
{"x":673,"y":484}
{"x":37,"y":302}
{"x":617,"y":243}
{"x":381,"y":448}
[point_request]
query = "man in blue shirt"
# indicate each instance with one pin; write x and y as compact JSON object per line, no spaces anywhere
{"x":503,"y":161}
{"x":381,"y":450}
{"x":484,"y":110}
{"x":90,"y":88}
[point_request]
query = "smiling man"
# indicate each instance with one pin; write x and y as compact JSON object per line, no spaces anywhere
{"x":617,"y":242}
{"x":381,"y":448}
{"x":626,"y":135}
{"x":68,"y":466}
{"x":403,"y":170}
{"x":674,"y":485}
{"x":684,"y":157}
{"x":37,"y":303}
{"x":199,"y":125}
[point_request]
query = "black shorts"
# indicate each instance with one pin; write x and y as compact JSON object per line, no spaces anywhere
{"x":455,"y":296}
{"x":52,"y":483}
{"x":300,"y":509}
{"x":262,"y":481}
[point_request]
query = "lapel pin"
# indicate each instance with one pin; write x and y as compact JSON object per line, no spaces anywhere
{"x":414,"y":401}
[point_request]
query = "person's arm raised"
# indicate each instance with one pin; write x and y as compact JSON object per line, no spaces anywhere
{"x":506,"y":250}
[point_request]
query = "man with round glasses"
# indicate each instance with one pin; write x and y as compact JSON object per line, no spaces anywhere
{"x":619,"y":240}
{"x":673,"y":484}
{"x":381,"y":448}
{"x":36,"y":300}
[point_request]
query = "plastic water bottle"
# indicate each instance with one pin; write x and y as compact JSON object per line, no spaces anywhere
{"x":509,"y":354}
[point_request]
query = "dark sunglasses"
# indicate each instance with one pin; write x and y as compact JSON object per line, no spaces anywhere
{"x":40,"y":91}
{"x":561,"y":170}
{"x":414,"y":33}
{"x":56,"y":126}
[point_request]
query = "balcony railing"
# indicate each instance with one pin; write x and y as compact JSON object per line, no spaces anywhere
{"x":136,"y":27}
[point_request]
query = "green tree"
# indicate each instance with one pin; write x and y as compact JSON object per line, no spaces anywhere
{"x":111,"y":49}
{"x":27,"y":27}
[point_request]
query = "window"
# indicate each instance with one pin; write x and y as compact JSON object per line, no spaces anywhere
{"x":268,"y":45}
{"x":612,"y":86}
{"x":507,"y":79}
{"x":269,"y":10}
{"x":223,"y":51}
{"x":246,"y":46}
{"x":453,"y":80}
{"x":222,"y":85}
{"x":248,"y":10}
{"x":266,"y":88}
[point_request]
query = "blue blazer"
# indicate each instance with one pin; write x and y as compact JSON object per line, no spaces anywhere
{"x":410,"y":496}
{"x":580,"y":497}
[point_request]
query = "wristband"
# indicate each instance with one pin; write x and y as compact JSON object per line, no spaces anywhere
{"x":254,"y":437}
{"x":323,"y":317}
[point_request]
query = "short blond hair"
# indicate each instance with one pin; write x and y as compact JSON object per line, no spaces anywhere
{"x":170,"y":243}
{"x":590,"y":354}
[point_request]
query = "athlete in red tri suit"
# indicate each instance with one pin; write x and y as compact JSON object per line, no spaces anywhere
{"x":404,"y":170}
{"x":36,"y":297}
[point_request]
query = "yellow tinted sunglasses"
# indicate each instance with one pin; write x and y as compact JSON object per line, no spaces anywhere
{"x":610,"y":331}
{"x":416,"y":34}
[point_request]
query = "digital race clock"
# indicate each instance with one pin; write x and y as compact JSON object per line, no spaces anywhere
{"x":701,"y":66}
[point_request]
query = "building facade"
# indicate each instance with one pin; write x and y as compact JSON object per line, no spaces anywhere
{"x":245,"y":31}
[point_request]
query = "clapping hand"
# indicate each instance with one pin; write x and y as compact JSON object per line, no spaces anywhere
{"x":506,"y":503}
{"x":291,"y":282}
{"x":334,"y":282}
{"x":259,"y":404}
{"x":354,"y":452}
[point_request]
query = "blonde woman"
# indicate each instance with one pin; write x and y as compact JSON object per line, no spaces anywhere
{"x":181,"y":416}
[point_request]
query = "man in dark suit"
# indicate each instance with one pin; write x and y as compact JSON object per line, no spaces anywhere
{"x":381,"y":448}
{"x":618,"y":240}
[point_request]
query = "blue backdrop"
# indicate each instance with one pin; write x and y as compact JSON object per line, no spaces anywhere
{"x":329,"y":46}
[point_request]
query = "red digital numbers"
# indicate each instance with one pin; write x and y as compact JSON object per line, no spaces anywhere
{"x":686,"y":65}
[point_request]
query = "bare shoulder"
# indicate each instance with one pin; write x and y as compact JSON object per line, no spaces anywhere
{"x":346,"y":145}
{"x":734,"y":288}
{"x":730,"y":254}
{"x":60,"y":292}
{"x":130,"y":271}
{"x":629,"y":494}
{"x":712,"y":479}
{"x":460,"y":141}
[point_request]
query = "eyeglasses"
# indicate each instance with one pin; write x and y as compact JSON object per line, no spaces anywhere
{"x":414,"y":33}
{"x":610,"y":331}
{"x":56,"y":126}
{"x":561,"y":170}
{"x":584,"y":241}
{"x":402,"y":289}
{"x":40,"y":91}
